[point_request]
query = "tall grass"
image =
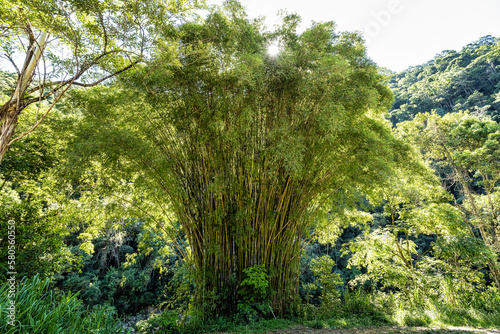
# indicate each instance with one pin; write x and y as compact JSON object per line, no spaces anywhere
{"x":39,"y":309}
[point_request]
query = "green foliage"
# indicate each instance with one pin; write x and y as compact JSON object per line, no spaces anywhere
{"x":72,"y":42}
{"x":444,"y":272}
{"x":165,"y":322}
{"x":29,"y":198}
{"x":452,"y":81}
{"x":416,"y":319}
{"x":468,"y":146}
{"x":253,"y":159}
{"x":244,"y":148}
{"x":263,"y":326}
{"x":358,"y":301}
{"x":441,"y":313}
{"x":357,"y":308}
{"x":414,"y":205}
{"x":128,"y":269}
{"x":327,"y":281}
{"x":40,"y":309}
{"x":257,"y":282}
{"x":39,"y":238}
{"x":255,"y":293}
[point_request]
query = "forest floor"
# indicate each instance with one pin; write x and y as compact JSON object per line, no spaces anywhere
{"x":386,"y":330}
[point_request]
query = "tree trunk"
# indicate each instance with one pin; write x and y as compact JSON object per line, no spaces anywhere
{"x":8,"y":122}
{"x":9,"y":112}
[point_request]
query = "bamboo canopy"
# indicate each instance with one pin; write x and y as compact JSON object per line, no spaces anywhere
{"x":246,"y":146}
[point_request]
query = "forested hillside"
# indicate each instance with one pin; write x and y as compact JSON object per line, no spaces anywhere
{"x":465,"y":80}
{"x":195,"y":183}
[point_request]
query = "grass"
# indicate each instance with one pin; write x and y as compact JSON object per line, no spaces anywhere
{"x":441,"y":315}
{"x":263,"y":326}
{"x":356,"y":312}
{"x":461,"y":317}
{"x":353,"y":323}
{"x":359,"y":310}
{"x":345,"y":321}
{"x":40,"y":310}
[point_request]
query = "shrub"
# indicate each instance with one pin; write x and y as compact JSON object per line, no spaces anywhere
{"x":166,"y":322}
{"x":255,"y":293}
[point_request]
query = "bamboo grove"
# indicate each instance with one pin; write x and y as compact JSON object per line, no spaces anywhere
{"x":244,"y":147}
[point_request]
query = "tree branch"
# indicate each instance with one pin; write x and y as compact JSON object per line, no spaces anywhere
{"x":105,"y":32}
{"x":68,"y":84}
{"x":13,"y":63}
{"x":80,"y":73}
{"x":106,"y":77}
{"x":24,"y":134}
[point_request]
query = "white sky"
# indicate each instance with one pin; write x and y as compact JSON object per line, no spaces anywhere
{"x":400,"y":33}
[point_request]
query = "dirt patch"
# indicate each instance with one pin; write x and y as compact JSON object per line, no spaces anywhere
{"x":386,"y":330}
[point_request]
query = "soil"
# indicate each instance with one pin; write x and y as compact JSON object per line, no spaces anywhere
{"x":386,"y":330}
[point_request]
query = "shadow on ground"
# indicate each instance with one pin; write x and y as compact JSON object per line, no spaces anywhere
{"x":388,"y":330}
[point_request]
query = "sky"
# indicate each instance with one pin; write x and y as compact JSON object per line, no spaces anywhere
{"x":399,"y":33}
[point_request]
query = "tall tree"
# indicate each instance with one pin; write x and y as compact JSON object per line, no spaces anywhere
{"x":71,"y":42}
{"x":415,"y":204}
{"x":471,"y":148}
{"x":245,"y":147}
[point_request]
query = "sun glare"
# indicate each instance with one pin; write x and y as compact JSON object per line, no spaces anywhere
{"x":273,"y":49}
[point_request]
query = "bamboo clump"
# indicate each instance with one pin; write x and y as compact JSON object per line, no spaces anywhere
{"x":246,"y":147}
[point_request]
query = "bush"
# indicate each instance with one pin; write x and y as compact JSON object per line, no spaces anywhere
{"x":166,"y":322}
{"x":255,"y":294}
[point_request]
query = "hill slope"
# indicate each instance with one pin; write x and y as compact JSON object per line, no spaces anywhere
{"x":452,"y":81}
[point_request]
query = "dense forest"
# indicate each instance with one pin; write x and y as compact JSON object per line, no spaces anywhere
{"x":161,"y":172}
{"x":451,"y":82}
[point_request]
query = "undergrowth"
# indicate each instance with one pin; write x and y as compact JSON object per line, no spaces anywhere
{"x":41,"y":310}
{"x":354,"y":309}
